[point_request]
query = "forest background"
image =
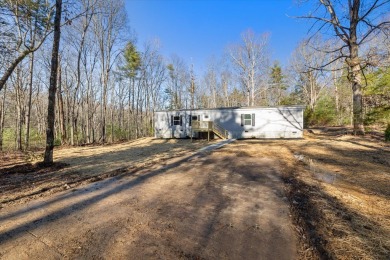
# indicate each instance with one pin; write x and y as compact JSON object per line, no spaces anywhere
{"x":109,"y":85}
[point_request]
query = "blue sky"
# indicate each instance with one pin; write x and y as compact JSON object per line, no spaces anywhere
{"x":196,"y":30}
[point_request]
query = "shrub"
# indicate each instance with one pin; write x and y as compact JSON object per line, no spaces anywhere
{"x":324,"y":113}
{"x":57,"y":142}
{"x":307,"y":117}
{"x":387,"y":133}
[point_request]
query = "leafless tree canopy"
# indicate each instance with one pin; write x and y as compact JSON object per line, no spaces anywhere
{"x":354,"y":23}
{"x":108,"y":85}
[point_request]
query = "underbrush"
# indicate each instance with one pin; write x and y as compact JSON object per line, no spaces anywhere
{"x":387,"y":133}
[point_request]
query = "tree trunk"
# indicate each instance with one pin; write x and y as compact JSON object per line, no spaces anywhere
{"x":72,"y":126}
{"x":252,"y":91}
{"x":2,"y":116}
{"x":248,"y":99}
{"x":358,"y":126}
{"x":133,"y":109}
{"x":129,"y":110}
{"x":48,"y":158}
{"x":355,"y":71}
{"x":61,"y":107}
{"x":82,"y":126}
{"x":104,"y":109}
{"x":28,"y":112}
{"x":19,"y":113}
{"x":87,"y":130}
{"x":136,"y":122}
{"x":337,"y":98}
{"x":18,"y":127}
{"x":112,"y":115}
{"x":39,"y":114}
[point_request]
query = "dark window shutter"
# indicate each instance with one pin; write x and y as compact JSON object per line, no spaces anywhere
{"x":253,"y":119}
{"x":181,"y":120}
{"x":242,"y":119}
{"x":171,"y":120}
{"x":189,"y":120}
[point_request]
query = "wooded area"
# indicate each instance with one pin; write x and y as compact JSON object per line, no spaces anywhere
{"x":74,"y":74}
{"x":109,"y":85}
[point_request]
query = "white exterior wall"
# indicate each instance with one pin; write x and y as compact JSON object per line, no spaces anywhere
{"x":164,"y":129}
{"x":275,"y":122}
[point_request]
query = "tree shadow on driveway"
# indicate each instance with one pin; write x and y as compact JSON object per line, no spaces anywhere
{"x":209,"y":205}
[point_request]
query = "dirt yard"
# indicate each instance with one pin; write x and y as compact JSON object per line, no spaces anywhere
{"x":326,"y":196}
{"x":21,"y":181}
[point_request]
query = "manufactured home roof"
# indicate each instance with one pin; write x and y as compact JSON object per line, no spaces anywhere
{"x":232,"y":108}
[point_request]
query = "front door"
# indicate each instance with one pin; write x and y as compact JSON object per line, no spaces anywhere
{"x":192,"y":118}
{"x":177,"y":126}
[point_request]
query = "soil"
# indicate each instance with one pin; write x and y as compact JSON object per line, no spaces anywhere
{"x":23,"y":178}
{"x":205,"y":206}
{"x":325,"y":196}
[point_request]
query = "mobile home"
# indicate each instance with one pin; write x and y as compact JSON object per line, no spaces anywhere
{"x":236,"y":122}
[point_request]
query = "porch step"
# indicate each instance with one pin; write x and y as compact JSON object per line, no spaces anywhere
{"x":209,"y":126}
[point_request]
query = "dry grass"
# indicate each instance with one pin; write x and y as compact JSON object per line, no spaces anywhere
{"x":21,"y":179}
{"x":338,"y":187}
{"x":354,"y":201}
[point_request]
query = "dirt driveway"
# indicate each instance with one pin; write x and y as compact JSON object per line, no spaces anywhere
{"x":21,"y":181}
{"x":214,"y":205}
{"x":147,"y":199}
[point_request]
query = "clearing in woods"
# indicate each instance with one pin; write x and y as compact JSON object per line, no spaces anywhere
{"x":325,"y":196}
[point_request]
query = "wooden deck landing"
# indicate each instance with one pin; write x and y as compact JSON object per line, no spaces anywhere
{"x":209,"y":127}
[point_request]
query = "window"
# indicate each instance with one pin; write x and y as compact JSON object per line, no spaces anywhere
{"x":248,"y":119}
{"x":192,"y":118}
{"x":206,"y":116}
{"x":176,"y":120}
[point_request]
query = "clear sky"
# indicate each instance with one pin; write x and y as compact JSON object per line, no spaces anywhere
{"x":196,"y":30}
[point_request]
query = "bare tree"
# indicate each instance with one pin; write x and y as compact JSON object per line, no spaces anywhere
{"x":153,"y":76}
{"x":20,"y":91}
{"x":108,"y":23}
{"x":2,"y":116}
{"x":48,"y":158}
{"x":250,"y":60}
{"x":61,"y":113}
{"x":178,"y":81}
{"x":77,"y":36}
{"x":354,"y":22}
{"x":211,"y":83}
{"x":226,"y":82}
{"x":310,"y":82}
{"x":90,"y":64}
{"x":30,"y":92}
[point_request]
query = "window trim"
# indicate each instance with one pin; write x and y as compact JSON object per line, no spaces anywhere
{"x":247,"y":121}
{"x":176,"y":120}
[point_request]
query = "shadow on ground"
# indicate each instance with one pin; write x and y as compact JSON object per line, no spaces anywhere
{"x":203,"y":206}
